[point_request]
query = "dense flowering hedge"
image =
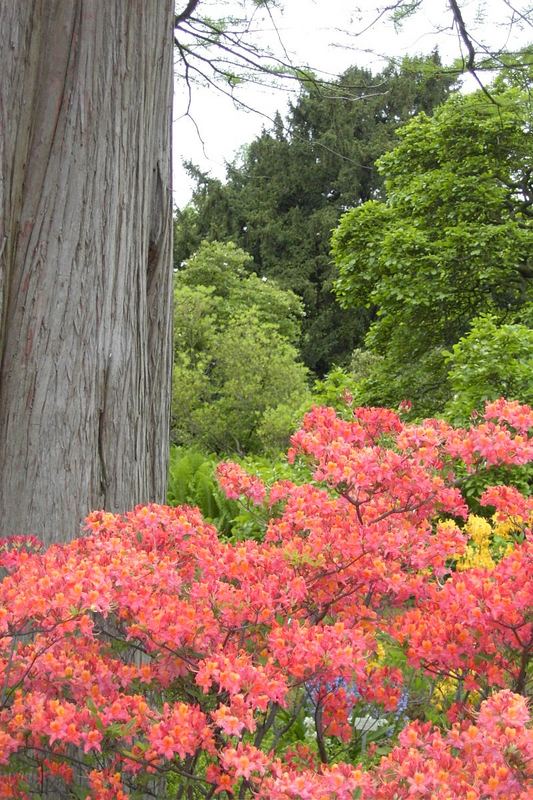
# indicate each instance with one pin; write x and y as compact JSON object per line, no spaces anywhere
{"x":151,"y":658}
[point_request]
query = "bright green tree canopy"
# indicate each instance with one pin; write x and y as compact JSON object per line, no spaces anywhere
{"x":452,"y":240}
{"x":491,"y":361}
{"x":234,"y":361}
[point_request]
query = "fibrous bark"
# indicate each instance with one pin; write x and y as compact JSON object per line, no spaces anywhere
{"x":85,"y":264}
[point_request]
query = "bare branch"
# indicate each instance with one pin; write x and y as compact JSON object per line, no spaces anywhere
{"x":524,"y":17}
{"x":186,"y":13}
{"x":470,"y":63}
{"x":187,"y":112}
{"x":461,"y":27}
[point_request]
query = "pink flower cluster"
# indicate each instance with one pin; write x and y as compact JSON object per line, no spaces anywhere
{"x":151,"y":650}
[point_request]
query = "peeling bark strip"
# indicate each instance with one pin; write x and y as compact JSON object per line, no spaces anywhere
{"x":85,"y":259}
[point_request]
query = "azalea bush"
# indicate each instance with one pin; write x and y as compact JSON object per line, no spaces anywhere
{"x":152,"y":658}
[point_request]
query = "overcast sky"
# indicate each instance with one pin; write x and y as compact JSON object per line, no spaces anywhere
{"x":327,"y":35}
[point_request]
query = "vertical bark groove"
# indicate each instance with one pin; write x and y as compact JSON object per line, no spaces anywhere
{"x":85,"y":266}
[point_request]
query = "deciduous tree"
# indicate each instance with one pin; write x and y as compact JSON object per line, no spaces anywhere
{"x":452,"y":240}
{"x":234,"y":355}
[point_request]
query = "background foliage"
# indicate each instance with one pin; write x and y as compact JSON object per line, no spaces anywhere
{"x":286,"y":193}
{"x":452,"y":240}
{"x":238,"y":384}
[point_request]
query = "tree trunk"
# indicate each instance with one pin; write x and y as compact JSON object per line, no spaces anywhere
{"x":85,"y":259}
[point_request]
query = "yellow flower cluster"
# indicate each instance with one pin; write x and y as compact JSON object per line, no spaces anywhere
{"x":444,"y":692}
{"x":379,"y":659}
{"x":478,"y":552}
{"x":504,"y":528}
{"x":486,"y":542}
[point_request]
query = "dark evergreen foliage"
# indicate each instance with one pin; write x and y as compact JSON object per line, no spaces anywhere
{"x":282,"y":199}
